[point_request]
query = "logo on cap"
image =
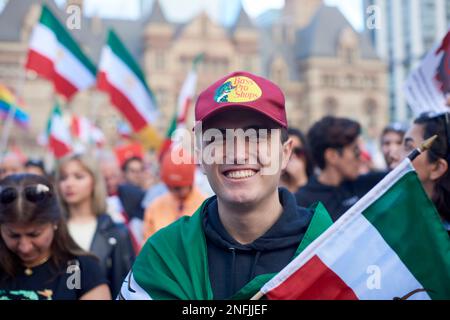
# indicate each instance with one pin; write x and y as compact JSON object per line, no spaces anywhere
{"x":238,"y":89}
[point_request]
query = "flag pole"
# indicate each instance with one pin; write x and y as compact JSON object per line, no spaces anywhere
{"x":6,"y":131}
{"x":426,"y":145}
{"x":257,"y":296}
{"x":12,"y":111}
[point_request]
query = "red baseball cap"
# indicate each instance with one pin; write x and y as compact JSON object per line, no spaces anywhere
{"x":242,"y":90}
{"x":177,"y":175}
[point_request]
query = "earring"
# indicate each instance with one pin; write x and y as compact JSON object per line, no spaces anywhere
{"x":55,"y":227}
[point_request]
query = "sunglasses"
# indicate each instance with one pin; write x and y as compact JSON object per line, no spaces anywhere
{"x":32,"y":193}
{"x":298,"y":151}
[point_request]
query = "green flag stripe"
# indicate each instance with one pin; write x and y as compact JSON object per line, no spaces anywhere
{"x":122,"y":52}
{"x":428,"y":259}
{"x":172,"y":127}
{"x":51,"y":22}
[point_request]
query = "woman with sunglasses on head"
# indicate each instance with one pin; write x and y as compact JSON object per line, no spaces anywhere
{"x":432,"y":166}
{"x":300,"y":166}
{"x":83,"y":197}
{"x":39,"y":260}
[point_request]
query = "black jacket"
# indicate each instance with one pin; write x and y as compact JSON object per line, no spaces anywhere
{"x":337,"y":200}
{"x":131,"y":198}
{"x":233,"y":265}
{"x":113,"y":246}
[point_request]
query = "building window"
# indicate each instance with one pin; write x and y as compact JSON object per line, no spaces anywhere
{"x":160,"y":61}
{"x":330,"y":107}
{"x":371,"y":112}
{"x":349,"y":55}
{"x":161,"y":97}
{"x":247,"y":63}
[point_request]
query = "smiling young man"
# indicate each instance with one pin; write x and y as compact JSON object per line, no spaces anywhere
{"x":251,"y":229}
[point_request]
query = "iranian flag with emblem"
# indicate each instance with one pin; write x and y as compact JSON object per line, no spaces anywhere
{"x":121,"y":77}
{"x":53,"y":54}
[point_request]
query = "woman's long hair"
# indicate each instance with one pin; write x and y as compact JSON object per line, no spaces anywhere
{"x":99,"y":194}
{"x":63,"y":247}
{"x":440,"y":126}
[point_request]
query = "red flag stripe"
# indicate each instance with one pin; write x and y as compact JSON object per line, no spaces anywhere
{"x":121,"y":102}
{"x":45,"y":68}
{"x":313,"y":281}
{"x":58,"y":148}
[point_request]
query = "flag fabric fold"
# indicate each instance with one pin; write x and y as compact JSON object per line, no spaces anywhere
{"x":120,"y":76}
{"x":53,"y":54}
{"x":9,"y":101}
{"x":390,"y":244}
{"x":59,"y":139}
{"x":187,"y":94}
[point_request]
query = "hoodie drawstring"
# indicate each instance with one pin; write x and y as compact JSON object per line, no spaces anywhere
{"x":252,"y":273}
{"x":233,"y":267}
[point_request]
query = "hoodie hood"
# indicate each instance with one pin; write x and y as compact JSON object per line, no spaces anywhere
{"x":287,"y":231}
{"x":232,"y":265}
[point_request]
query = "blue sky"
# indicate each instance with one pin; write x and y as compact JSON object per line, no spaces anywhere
{"x":182,"y":10}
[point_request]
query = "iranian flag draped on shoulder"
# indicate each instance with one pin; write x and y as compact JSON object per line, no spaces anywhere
{"x":389,"y":245}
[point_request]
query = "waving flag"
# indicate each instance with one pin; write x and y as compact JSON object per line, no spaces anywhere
{"x":55,"y":55}
{"x":9,"y":101}
{"x":121,"y":77}
{"x":57,"y":137}
{"x":85,"y":132}
{"x":391,"y":244}
{"x":428,"y":86}
{"x":185,"y":99}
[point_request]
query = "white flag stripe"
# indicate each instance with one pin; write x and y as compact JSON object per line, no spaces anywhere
{"x":187,"y":91}
{"x":360,"y":257}
{"x":131,"y":290}
{"x":59,"y":130}
{"x":44,"y":42}
{"x":123,"y":79}
{"x":309,"y":252}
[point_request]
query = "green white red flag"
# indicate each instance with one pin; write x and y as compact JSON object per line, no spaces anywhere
{"x":184,"y":104}
{"x":54,"y":55}
{"x":121,"y":77}
{"x":58,"y":134}
{"x":390,"y":244}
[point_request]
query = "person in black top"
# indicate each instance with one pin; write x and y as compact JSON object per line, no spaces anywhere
{"x":82,"y":192}
{"x":432,"y":166}
{"x":39,"y":259}
{"x":334,"y":144}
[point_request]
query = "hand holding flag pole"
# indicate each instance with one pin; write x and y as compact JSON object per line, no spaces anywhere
{"x":426,"y":145}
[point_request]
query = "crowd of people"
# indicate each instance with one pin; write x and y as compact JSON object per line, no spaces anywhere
{"x":92,"y":228}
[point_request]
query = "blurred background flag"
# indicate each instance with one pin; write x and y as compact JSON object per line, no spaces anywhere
{"x":55,"y":55}
{"x":58,"y":138}
{"x":86,"y":133}
{"x":8,"y":102}
{"x":121,"y":77}
{"x":428,"y":86}
{"x":185,"y":99}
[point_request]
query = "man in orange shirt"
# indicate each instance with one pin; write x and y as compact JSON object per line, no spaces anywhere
{"x":182,"y":199}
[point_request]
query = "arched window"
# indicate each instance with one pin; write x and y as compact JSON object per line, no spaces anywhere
{"x":330,"y":106}
{"x":370,"y":110}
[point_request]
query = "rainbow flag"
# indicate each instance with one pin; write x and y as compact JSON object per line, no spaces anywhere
{"x":7,"y":101}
